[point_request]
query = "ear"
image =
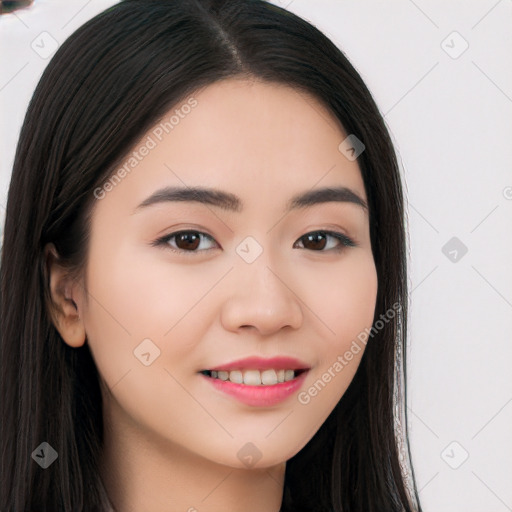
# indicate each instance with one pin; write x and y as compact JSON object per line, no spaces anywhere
{"x":65,"y":300}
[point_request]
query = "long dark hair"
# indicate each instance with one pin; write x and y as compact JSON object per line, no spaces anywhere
{"x":106,"y":86}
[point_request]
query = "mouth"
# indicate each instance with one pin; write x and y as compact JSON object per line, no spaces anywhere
{"x":255,"y":377}
{"x":257,"y":381}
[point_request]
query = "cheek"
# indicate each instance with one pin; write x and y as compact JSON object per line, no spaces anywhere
{"x":346,"y":302}
{"x":346,"y":308}
{"x":133,"y":299}
{"x":119,"y":313}
{"x":132,"y":310}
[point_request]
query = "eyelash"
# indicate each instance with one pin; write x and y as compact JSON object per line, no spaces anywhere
{"x":344,"y":240}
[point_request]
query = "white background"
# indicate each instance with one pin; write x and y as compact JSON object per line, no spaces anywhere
{"x":450,"y":115}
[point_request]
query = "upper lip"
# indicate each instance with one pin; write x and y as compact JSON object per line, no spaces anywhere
{"x":259,"y":363}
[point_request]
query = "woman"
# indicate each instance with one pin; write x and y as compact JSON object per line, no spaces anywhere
{"x":203,"y":281}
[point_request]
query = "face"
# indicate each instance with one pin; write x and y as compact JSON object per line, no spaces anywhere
{"x":186,"y":286}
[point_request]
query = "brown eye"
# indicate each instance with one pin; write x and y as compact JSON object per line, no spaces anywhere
{"x":315,"y":241}
{"x":186,"y":241}
{"x":319,"y":240}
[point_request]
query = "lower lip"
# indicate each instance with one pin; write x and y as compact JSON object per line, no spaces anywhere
{"x":259,"y":396}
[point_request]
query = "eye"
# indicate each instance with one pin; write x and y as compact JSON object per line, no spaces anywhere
{"x":188,"y":241}
{"x":184,"y":241}
{"x":319,"y":241}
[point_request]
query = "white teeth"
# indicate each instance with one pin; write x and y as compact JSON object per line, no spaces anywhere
{"x":269,"y":377}
{"x":236,"y":377}
{"x":255,"y":377}
{"x":252,"y":377}
{"x":288,"y":375}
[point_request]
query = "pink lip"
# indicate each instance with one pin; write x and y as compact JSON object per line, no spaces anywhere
{"x":258,"y":363}
{"x":258,"y":396}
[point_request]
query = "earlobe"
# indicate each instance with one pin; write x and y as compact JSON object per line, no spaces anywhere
{"x":63,"y":292}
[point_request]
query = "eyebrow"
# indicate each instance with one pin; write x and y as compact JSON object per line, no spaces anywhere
{"x":230,"y":202}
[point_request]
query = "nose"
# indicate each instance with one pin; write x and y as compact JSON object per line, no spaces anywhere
{"x":261,"y":299}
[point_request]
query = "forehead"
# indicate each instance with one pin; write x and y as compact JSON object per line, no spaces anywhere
{"x":262,"y":141}
{"x":263,"y":118}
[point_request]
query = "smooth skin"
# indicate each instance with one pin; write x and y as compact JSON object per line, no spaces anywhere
{"x":171,"y":439}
